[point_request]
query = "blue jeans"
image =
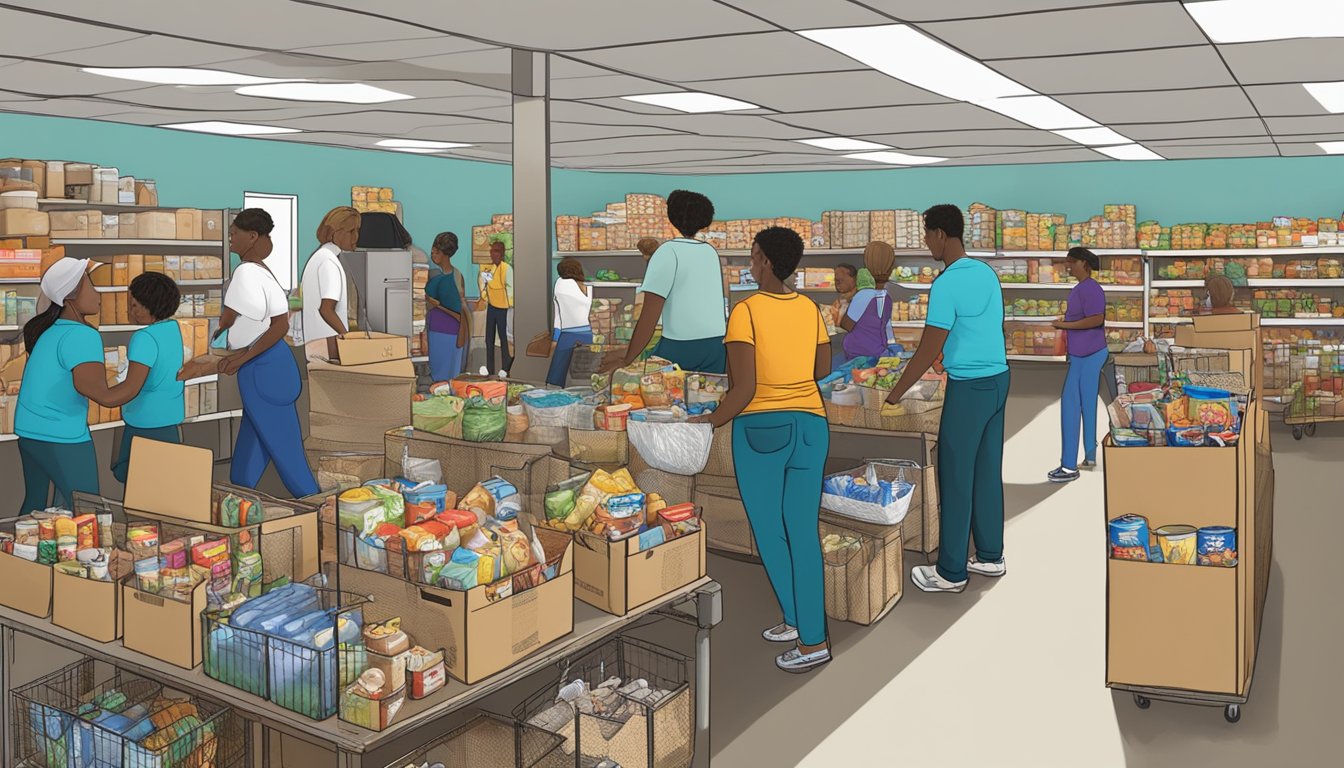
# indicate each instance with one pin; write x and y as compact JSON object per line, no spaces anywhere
{"x":558,"y":374}
{"x":121,"y":464}
{"x":69,"y":467}
{"x":1079,"y":403}
{"x":780,"y":460}
{"x":445,"y":357}
{"x":269,"y":385}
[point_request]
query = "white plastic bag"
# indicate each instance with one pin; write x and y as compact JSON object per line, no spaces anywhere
{"x":680,"y":448}
{"x":876,"y":513}
{"x":420,"y":470}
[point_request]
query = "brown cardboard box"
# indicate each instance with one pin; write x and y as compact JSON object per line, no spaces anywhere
{"x":371,"y":347}
{"x":616,"y":577}
{"x":127,"y":225}
{"x":490,"y":635}
{"x":120,"y":269}
{"x":383,"y":391}
{"x":186,"y":268}
{"x":78,"y":174}
{"x":156,"y":225}
{"x":1243,"y":344}
{"x":24,"y":221}
{"x":102,"y":277}
{"x":126,"y":190}
{"x":188,"y":224}
{"x":27,"y":584}
{"x":167,"y":629}
{"x":111,"y":227}
{"x":90,"y":607}
{"x":55,"y":179}
{"x":135,"y":266}
{"x":212,"y":225}
{"x":123,"y":307}
{"x":146,"y":192}
{"x":108,"y":313}
{"x":153,"y":263}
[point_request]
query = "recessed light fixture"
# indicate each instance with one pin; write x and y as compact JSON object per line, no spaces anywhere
{"x":1130,"y":152}
{"x":1039,"y":112}
{"x":418,"y":144}
{"x":692,"y":102}
{"x":895,"y":158}
{"x":415,"y":150}
{"x":230,"y":129}
{"x":907,"y":54}
{"x":179,"y":76}
{"x":1094,"y":137}
{"x":1332,"y":147}
{"x":345,"y":93}
{"x":841,"y":144}
{"x":1244,"y":21}
{"x":1330,"y":95}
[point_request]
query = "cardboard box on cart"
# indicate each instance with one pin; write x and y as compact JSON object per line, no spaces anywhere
{"x":27,"y":584}
{"x":618,"y":577}
{"x":171,"y":484}
{"x":91,"y":607}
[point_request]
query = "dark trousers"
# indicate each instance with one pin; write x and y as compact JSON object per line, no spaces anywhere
{"x":970,"y":473}
{"x":68,"y":467}
{"x":121,"y":464}
{"x":497,"y":324}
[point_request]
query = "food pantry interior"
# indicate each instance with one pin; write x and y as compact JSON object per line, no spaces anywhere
{"x":415,"y":386}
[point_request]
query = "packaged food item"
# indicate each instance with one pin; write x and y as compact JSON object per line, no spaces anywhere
{"x":147,"y":574}
{"x":26,"y":551}
{"x":66,"y":548}
{"x":248,"y":576}
{"x":653,"y":504}
{"x":430,"y":493}
{"x":1186,"y":437}
{"x":386,"y":638}
{"x":26,"y":532}
{"x":418,"y":539}
{"x":479,"y":500}
{"x":46,"y":551}
{"x":461,"y":571}
{"x":1177,"y":543}
{"x":46,"y":528}
{"x":65,"y":527}
{"x":1216,"y":545}
{"x":584,"y":508}
{"x":236,"y":511}
{"x":427,"y":672}
{"x":612,"y":418}
{"x":174,"y":554}
{"x":72,"y":568}
{"x":652,"y":538}
{"x":464,"y":521}
{"x":626,"y":505}
{"x":507,"y":502}
{"x":418,"y":512}
{"x":1211,"y":407}
{"x":207,"y":553}
{"x":677,"y":520}
{"x":1129,"y":537}
{"x":86,"y":531}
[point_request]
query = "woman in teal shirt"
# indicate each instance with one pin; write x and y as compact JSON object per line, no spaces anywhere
{"x":65,"y":370}
{"x":448,"y":327}
{"x":155,"y":356}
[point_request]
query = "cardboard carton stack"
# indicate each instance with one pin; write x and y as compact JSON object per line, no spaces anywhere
{"x":375,"y":372}
{"x":374,"y":200}
{"x":981,"y":226}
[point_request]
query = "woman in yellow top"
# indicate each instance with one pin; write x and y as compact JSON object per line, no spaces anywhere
{"x":780,"y":438}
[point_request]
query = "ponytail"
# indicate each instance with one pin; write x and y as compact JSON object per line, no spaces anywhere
{"x":33,"y":329}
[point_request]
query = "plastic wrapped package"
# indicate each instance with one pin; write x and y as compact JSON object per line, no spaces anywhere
{"x":880,"y":492}
{"x":678,"y":447}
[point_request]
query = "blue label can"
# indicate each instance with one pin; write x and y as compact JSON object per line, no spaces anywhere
{"x":1216,"y":545}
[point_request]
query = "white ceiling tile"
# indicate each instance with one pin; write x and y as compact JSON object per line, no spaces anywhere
{"x":771,"y":53}
{"x":55,"y":80}
{"x":396,"y":50}
{"x":809,"y":14}
{"x":856,"y":122}
{"x":1217,"y":150}
{"x":1077,"y":31}
{"x":822,"y":91}
{"x":148,"y":51}
{"x":43,"y":35}
{"x":1286,"y":61}
{"x":1194,"y":129}
{"x":935,"y":10}
{"x":1295,"y":125}
{"x":1194,"y":67}
{"x":1206,"y":104}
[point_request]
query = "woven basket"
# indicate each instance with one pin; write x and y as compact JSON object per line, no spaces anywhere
{"x":845,"y":415}
{"x":862,"y":583}
{"x":599,"y":448}
{"x":720,"y":463}
{"x":920,"y":416}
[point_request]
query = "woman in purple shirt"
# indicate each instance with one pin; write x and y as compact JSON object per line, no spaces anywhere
{"x":1083,"y":327}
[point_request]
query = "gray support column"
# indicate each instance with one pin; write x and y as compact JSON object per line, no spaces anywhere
{"x":531,"y":208}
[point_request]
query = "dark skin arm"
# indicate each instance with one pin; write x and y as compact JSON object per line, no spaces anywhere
{"x":930,"y":348}
{"x":91,"y":381}
{"x":643,"y":333}
{"x":846,"y":324}
{"x":275,"y":332}
{"x":328,"y":313}
{"x":1091,"y":321}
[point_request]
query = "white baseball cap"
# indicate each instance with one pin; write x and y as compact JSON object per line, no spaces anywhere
{"x":62,"y":279}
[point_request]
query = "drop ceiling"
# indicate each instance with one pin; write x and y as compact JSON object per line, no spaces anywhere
{"x":1143,"y":68}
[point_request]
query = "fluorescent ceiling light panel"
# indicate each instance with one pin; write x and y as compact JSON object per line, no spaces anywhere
{"x":1039,"y":112}
{"x":1244,"y":21}
{"x":345,"y":93}
{"x":895,"y":158}
{"x":907,"y":54}
{"x":415,"y":150}
{"x":230,"y":129}
{"x":418,"y":144}
{"x":692,"y":102}
{"x":1330,"y":95}
{"x":1332,"y":147}
{"x":1130,"y":152}
{"x":179,"y":76}
{"x":841,"y":144}
{"x":1094,"y":137}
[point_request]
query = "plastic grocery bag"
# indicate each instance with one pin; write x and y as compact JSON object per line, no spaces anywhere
{"x":881,"y":495}
{"x":440,"y":414}
{"x":678,"y":447}
{"x":484,"y":420}
{"x":420,"y":470}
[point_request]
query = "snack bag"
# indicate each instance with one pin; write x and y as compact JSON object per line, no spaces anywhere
{"x":480,"y":501}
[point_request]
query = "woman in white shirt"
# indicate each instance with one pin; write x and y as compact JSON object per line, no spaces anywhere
{"x":325,"y":301}
{"x":254,"y":324}
{"x":573,"y":302}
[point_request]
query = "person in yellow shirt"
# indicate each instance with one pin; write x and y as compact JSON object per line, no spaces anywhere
{"x":778,"y":349}
{"x":496,"y":286}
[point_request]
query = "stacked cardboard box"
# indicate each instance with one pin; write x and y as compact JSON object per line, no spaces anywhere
{"x":1011,"y":230}
{"x":20,"y":263}
{"x":373,"y":199}
{"x":981,"y":225}
{"x":819,"y":238}
{"x":592,"y":236}
{"x":567,"y":233}
{"x":855,"y":227}
{"x":882,"y":226}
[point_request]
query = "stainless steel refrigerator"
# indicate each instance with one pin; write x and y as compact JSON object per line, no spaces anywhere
{"x":380,"y":283}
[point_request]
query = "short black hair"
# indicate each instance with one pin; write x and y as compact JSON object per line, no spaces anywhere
{"x":1084,"y":255}
{"x":946,"y":218}
{"x":446,"y":243}
{"x":689,"y":212}
{"x":850,"y":268}
{"x":254,"y":220}
{"x":783,"y":248}
{"x":157,"y":293}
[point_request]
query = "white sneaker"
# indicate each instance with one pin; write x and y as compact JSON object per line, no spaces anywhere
{"x":794,"y":660}
{"x":782,"y":633}
{"x":987,"y":569}
{"x":485,"y":371}
{"x":503,"y":374}
{"x":926,"y":578}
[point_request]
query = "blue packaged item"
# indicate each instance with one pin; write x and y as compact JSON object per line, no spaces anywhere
{"x":1129,"y":538}
{"x":507,"y":501}
{"x":461,"y":571}
{"x":434,"y":494}
{"x":1186,"y":437}
{"x":1216,"y":545}
{"x":652,"y":538}
{"x":626,"y":505}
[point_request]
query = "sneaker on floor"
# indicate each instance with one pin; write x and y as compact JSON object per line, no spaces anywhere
{"x":1063,"y":475}
{"x":794,"y":660}
{"x":1088,"y":465}
{"x":926,"y":578}
{"x":987,"y":569}
{"x":503,"y":374}
{"x":485,"y":371}
{"x":781,"y":633}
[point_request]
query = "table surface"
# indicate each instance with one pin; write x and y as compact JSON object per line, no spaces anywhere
{"x":591,"y":626}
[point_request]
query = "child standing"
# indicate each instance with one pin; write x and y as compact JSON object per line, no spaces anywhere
{"x":155,"y":355}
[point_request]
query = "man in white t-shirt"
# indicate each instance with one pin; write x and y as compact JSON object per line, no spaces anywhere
{"x":325,"y":300}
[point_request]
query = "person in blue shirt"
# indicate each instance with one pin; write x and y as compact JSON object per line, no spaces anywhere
{"x":65,"y":370}
{"x":155,"y":356}
{"x":448,"y":327}
{"x":965,"y":326}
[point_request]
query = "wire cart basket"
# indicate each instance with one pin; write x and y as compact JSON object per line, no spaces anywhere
{"x":493,"y":741}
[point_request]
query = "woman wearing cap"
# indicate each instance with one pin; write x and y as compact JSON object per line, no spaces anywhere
{"x":65,"y":370}
{"x":448,"y":327}
{"x":253,"y":326}
{"x":867,"y":323}
{"x":325,"y":301}
{"x":1083,"y":326}
{"x":573,"y":304}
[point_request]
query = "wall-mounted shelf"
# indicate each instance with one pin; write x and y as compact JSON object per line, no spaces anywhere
{"x":221,"y":416}
{"x":1259,"y":282}
{"x":1323,"y":249}
{"x":1038,"y":359}
{"x":118,"y":242}
{"x":1059,"y":254}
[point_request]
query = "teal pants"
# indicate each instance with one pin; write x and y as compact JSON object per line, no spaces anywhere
{"x":701,"y":355}
{"x":69,"y":467}
{"x":780,"y":460}
{"x":122,"y":463}
{"x":970,"y":473}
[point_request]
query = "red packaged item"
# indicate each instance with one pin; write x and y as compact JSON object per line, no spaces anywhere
{"x":419,"y":512}
{"x":426,"y":671}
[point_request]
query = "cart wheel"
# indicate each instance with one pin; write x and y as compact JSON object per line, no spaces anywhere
{"x":1311,"y":429}
{"x":1142,"y":702}
{"x":1297,"y":433}
{"x":1232,"y":713}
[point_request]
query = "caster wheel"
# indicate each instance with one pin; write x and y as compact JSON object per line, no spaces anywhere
{"x":1142,"y":702}
{"x":1232,"y":713}
{"x":1311,"y":430}
{"x":1297,"y":433}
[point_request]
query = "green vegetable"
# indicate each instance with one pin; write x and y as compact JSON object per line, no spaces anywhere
{"x":559,"y":504}
{"x":484,"y":421}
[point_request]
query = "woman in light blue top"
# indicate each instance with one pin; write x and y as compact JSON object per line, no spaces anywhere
{"x":155,"y":356}
{"x":65,"y":370}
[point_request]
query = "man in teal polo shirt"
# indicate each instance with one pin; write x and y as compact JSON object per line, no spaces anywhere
{"x":965,"y":326}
